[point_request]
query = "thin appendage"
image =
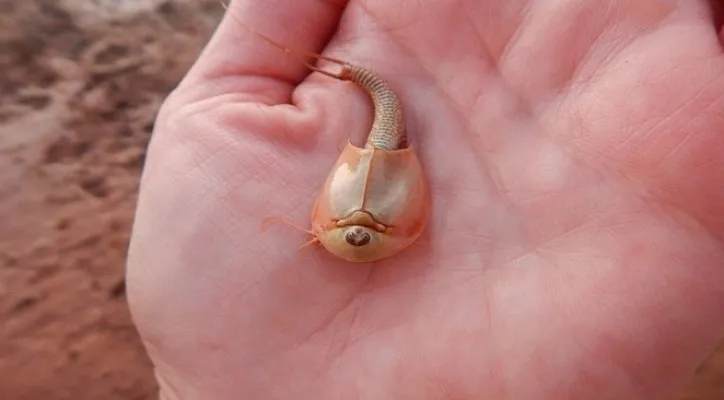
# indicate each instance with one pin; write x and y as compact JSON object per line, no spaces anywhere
{"x":314,"y":239}
{"x":311,"y":242}
{"x":388,"y":130}
{"x":298,"y":54}
{"x":268,"y":218}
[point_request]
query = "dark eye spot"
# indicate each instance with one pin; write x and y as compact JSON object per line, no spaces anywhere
{"x":357,"y":237}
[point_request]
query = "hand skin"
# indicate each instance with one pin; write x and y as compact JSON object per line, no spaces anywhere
{"x":575,"y":151}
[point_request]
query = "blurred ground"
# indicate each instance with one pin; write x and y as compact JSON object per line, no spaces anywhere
{"x":80,"y":85}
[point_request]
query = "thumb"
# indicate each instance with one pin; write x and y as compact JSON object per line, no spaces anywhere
{"x":236,"y":52}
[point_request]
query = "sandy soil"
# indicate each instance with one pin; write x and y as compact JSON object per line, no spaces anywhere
{"x":80,"y":88}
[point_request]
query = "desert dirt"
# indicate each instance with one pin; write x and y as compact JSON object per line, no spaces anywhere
{"x":81,"y":84}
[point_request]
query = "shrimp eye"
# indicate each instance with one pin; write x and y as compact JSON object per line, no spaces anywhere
{"x":357,"y":237}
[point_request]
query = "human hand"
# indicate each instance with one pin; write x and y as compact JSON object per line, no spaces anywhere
{"x":574,"y":152}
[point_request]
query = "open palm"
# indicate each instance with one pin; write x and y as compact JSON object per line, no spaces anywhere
{"x":575,"y":155}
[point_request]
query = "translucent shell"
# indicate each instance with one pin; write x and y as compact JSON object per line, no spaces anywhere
{"x":374,"y":204}
{"x":375,"y":201}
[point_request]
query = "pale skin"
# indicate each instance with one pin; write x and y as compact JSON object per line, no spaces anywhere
{"x":575,"y":156}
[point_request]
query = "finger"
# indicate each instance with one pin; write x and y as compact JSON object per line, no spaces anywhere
{"x":235,"y":51}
